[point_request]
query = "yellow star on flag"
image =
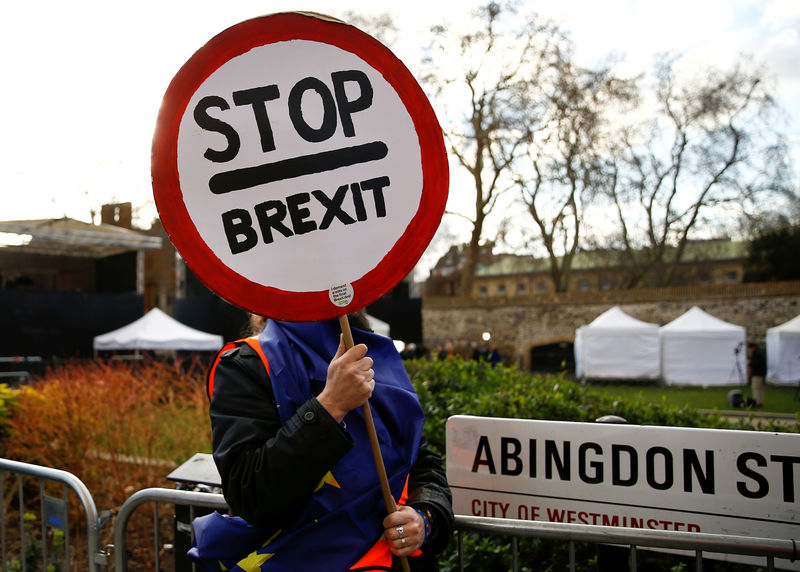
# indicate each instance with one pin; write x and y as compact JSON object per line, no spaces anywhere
{"x":253,"y":562}
{"x":327,"y":479}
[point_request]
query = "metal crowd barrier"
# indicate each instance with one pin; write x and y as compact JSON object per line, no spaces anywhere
{"x":769,"y":548}
{"x":53,"y":512}
{"x":156,"y":495}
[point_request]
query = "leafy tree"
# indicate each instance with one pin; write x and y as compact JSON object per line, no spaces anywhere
{"x":708,"y":150}
{"x":486,"y":83}
{"x":772,"y":255}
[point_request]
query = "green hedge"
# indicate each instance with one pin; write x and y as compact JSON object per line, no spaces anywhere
{"x":455,"y":386}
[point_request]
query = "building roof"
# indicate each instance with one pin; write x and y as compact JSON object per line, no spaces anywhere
{"x":696,"y":251}
{"x":69,"y":237}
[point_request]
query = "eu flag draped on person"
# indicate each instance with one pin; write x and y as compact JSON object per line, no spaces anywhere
{"x":342,"y":519}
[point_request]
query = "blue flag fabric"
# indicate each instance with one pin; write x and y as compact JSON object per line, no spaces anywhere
{"x":339,"y":523}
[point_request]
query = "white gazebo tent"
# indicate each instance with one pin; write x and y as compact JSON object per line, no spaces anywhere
{"x":379,"y":326}
{"x":700,"y":349}
{"x":157,"y":331}
{"x":617,"y":346}
{"x":783,"y":353}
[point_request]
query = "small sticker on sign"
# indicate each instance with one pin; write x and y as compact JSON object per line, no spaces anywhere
{"x":341,"y":295}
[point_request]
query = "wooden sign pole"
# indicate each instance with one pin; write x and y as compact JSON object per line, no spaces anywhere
{"x":373,"y":439}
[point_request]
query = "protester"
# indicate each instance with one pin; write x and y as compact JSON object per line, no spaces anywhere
{"x":756,"y":370}
{"x":446,"y":351}
{"x":495,"y":357}
{"x":292,"y":448}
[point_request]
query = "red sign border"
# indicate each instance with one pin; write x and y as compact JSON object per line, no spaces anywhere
{"x":267,"y":300}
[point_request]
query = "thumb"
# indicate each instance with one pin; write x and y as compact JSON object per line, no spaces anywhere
{"x":340,"y":351}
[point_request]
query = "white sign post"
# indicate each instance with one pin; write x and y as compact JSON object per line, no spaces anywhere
{"x":743,"y":483}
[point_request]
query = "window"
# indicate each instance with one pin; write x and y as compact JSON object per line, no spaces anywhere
{"x":501,"y":290}
{"x":522,"y":288}
{"x":541,"y":286}
{"x":731,"y":277}
{"x":483,"y":291}
{"x":584,"y":285}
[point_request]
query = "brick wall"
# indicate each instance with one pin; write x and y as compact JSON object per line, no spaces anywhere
{"x":518,"y":324}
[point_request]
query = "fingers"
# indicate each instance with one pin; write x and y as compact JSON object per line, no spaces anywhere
{"x":358,"y":355}
{"x":402,"y":516}
{"x":350,"y":380}
{"x":356,"y":363}
{"x":404,"y":531}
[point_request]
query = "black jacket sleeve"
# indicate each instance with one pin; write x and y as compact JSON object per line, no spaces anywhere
{"x":266,"y":467}
{"x":428,"y":488}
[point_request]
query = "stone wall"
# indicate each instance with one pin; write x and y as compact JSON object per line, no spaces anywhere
{"x":518,"y":324}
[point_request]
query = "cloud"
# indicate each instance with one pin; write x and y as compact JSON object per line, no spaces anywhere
{"x":83,"y":80}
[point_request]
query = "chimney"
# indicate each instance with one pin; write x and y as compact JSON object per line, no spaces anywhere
{"x":118,"y":214}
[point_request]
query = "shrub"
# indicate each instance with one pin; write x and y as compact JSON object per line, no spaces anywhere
{"x":466,"y":387}
{"x":8,"y":399}
{"x":119,"y":427}
{"x":151,"y":414}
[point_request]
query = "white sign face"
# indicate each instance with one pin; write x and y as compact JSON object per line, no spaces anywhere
{"x":281,"y":166}
{"x":744,"y":483}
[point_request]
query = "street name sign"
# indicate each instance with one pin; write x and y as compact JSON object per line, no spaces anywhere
{"x":741,"y":483}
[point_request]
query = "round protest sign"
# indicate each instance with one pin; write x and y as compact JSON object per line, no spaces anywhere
{"x":298,"y":167}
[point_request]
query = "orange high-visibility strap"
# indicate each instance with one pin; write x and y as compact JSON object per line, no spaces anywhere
{"x":379,"y":557}
{"x":252,"y":342}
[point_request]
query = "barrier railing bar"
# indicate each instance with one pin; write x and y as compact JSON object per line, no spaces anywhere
{"x":191,"y":518}
{"x":460,"y":535}
{"x":156,"y":536}
{"x":69,"y":480}
{"x":3,"y":515}
{"x":723,"y":543}
{"x":634,"y":558}
{"x":67,"y":545}
{"x":173,"y":496}
{"x":43,"y":516}
{"x":21,"y":521}
{"x":572,"y":556}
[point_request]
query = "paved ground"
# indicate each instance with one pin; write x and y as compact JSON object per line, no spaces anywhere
{"x":756,"y":416}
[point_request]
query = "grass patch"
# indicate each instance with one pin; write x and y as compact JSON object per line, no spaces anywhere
{"x":776,"y":399}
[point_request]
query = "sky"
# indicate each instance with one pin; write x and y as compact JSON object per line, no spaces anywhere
{"x":83,"y":80}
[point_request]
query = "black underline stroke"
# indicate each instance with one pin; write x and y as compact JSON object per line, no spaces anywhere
{"x":248,"y":177}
